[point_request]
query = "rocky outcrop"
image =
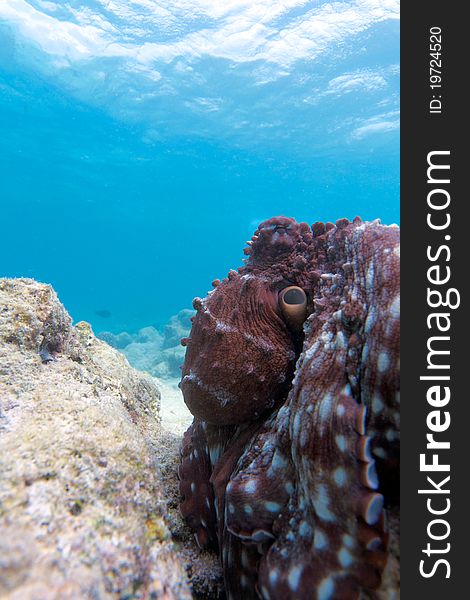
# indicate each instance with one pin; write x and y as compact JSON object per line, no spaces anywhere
{"x":85,"y":509}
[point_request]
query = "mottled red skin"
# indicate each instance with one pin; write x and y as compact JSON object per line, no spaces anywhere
{"x":279,"y":469}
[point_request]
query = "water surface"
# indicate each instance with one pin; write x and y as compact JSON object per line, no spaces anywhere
{"x":143,"y":141}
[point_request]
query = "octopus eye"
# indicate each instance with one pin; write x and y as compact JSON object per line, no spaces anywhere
{"x":293,"y":304}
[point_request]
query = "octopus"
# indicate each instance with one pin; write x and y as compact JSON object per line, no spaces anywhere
{"x":291,"y":373}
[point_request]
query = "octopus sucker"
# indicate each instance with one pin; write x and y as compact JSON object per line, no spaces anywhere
{"x":292,"y":375}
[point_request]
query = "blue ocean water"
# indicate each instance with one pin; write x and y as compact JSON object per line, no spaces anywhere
{"x":142,"y":141}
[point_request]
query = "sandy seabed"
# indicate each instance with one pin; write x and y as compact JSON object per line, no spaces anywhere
{"x":174,"y":413}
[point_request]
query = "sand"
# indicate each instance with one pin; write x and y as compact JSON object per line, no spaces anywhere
{"x":174,"y":413}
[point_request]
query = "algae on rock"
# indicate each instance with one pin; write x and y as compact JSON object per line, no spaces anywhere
{"x":83,"y":512}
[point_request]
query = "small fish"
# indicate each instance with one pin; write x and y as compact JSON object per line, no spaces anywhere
{"x":104,"y":312}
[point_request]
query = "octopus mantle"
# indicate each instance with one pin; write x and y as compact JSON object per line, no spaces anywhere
{"x":292,"y":459}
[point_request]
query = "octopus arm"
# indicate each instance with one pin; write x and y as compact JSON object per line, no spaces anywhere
{"x":256,"y":495}
{"x":330,"y":539}
{"x":259,"y":488}
{"x":198,"y":507}
{"x":244,"y":531}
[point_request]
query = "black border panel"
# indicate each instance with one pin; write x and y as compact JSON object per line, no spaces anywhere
{"x":435,"y":252}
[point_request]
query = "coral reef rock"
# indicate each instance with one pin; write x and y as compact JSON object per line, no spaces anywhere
{"x":177,"y":327}
{"x":83,"y":509}
{"x":160,"y":354}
